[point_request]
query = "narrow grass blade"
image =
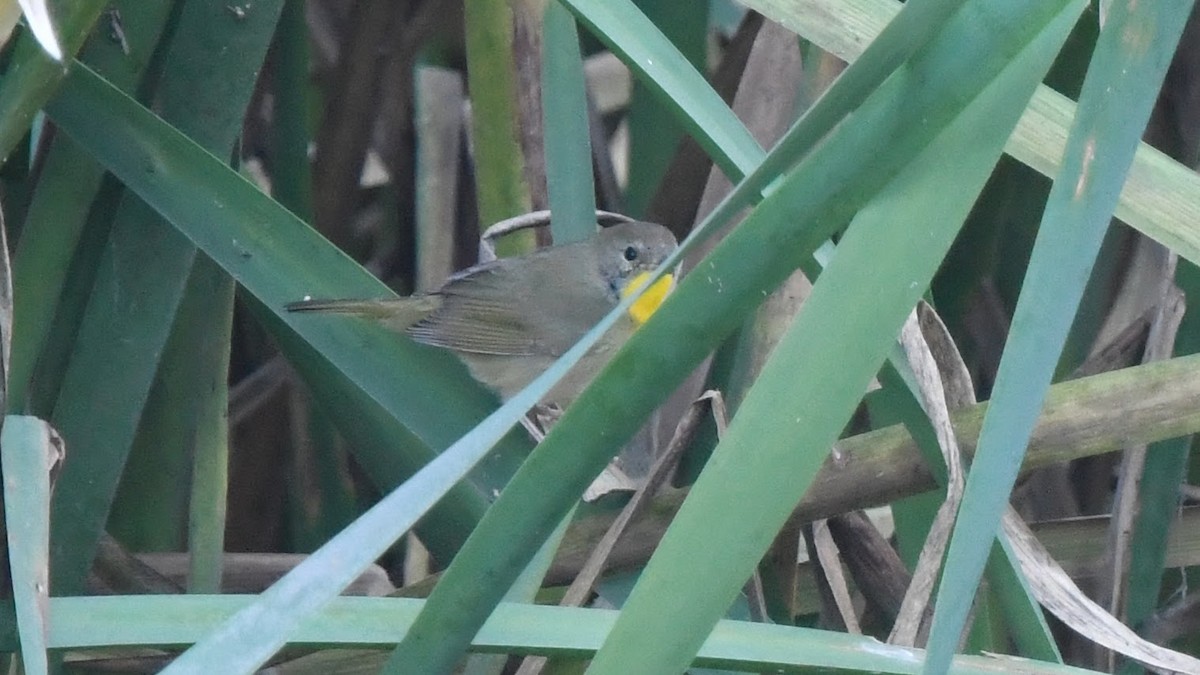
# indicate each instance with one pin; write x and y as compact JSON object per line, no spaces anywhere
{"x":1159,"y":197}
{"x":914,"y":516}
{"x":665,"y":70}
{"x":908,"y":32}
{"x":712,"y":123}
{"x":654,"y":132}
{"x":1166,"y":469}
{"x":318,"y":472}
{"x":291,"y":172}
{"x":31,"y":453}
{"x":211,"y":293}
{"x":524,"y":590}
{"x":1131,"y":58}
{"x":553,"y":631}
{"x":568,"y":145}
{"x":503,"y":190}
{"x":1025,"y":622}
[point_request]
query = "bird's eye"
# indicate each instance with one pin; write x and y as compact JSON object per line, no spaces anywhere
{"x":631,"y":253}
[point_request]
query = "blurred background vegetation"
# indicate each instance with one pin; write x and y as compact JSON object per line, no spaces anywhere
{"x":211,"y":439}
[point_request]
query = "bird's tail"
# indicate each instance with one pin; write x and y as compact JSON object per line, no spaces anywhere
{"x":396,"y":313}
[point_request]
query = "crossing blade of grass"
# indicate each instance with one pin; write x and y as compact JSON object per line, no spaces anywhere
{"x":629,"y":34}
{"x":648,"y":54}
{"x":915,"y":516}
{"x":553,"y":631}
{"x":525,"y":590}
{"x":1160,"y":195}
{"x":1026,"y":623}
{"x":903,"y":37}
{"x":662,"y":68}
{"x":31,"y":453}
{"x":568,"y":142}
{"x":1131,"y":58}
{"x":319,"y":475}
{"x":755,"y":477}
{"x":817,"y":197}
{"x":909,"y":31}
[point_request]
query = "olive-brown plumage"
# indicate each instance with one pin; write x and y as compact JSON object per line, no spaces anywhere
{"x":509,"y":319}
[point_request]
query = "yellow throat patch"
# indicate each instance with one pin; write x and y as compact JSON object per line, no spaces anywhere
{"x":646,"y":305}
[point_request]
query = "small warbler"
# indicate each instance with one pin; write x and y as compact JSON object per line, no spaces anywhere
{"x":510,"y":318}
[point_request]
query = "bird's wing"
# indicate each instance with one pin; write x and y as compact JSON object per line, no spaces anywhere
{"x":483,"y":310}
{"x":515,"y":307}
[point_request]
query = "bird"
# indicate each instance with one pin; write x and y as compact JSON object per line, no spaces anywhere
{"x":509,"y":319}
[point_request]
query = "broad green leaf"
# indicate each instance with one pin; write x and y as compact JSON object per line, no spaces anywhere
{"x":123,"y":333}
{"x":67,"y":189}
{"x":107,"y":382}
